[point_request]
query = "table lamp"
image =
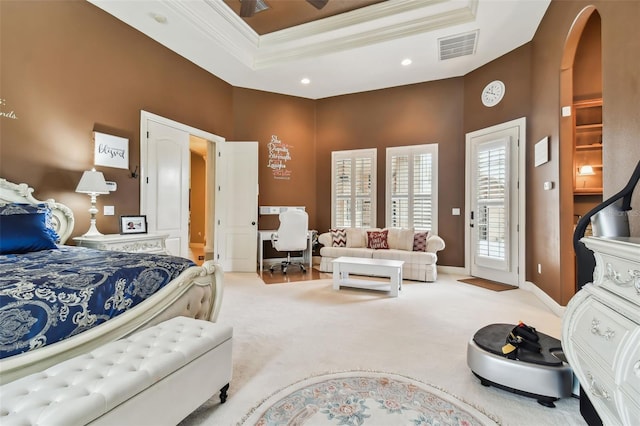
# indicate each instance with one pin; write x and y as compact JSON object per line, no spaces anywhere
{"x":92,"y":183}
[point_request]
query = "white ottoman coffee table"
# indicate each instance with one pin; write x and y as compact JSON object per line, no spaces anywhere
{"x":343,"y":266}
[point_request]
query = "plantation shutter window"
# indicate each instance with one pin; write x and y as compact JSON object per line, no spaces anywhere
{"x":412,"y":187}
{"x":353,"y":188}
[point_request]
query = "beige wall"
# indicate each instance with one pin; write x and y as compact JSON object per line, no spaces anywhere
{"x":68,"y":68}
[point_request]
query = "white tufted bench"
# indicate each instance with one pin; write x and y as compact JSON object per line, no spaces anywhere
{"x":154,"y":377}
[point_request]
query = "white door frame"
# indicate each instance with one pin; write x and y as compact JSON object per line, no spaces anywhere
{"x":212,"y":139}
{"x":521,"y":123}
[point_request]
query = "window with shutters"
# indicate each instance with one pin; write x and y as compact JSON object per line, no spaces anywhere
{"x":353,"y":188}
{"x":412,"y":187}
{"x":492,"y":200}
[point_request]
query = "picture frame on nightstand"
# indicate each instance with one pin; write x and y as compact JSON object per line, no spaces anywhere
{"x":133,"y":225}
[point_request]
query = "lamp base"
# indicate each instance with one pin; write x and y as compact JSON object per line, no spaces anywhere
{"x":93,"y":231}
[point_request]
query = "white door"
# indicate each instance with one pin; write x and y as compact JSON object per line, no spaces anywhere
{"x":165,"y":198}
{"x":493,"y":204}
{"x":237,"y":205}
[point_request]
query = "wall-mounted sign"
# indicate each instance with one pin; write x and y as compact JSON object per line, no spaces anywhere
{"x":278,"y":156}
{"x":111,"y":151}
{"x":6,"y":114}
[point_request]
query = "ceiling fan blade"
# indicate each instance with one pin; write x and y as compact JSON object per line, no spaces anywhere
{"x":247,"y":8}
{"x":318,"y":4}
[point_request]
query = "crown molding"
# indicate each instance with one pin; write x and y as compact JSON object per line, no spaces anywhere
{"x":315,"y":44}
{"x":367,"y":26}
{"x":221,"y":26}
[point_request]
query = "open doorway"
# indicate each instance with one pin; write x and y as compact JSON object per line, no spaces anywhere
{"x":581,"y":134}
{"x":231,"y":195}
{"x":197,"y":198}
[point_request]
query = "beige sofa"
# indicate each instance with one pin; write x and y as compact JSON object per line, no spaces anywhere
{"x":418,"y":266}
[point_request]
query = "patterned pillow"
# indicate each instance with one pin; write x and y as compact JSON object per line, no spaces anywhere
{"x":377,"y":239}
{"x":420,"y":241}
{"x":338,"y":237}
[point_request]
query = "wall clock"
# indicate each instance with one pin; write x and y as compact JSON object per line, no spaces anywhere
{"x":492,"y":93}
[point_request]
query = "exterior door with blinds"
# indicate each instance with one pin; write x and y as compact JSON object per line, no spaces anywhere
{"x":353,"y":188}
{"x":493,"y":208}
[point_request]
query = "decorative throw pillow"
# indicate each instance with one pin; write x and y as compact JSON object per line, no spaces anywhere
{"x":24,"y":229}
{"x":400,"y":239}
{"x":356,"y":238}
{"x":377,"y":239}
{"x":420,"y":241}
{"x":338,"y":237}
{"x":23,"y":208}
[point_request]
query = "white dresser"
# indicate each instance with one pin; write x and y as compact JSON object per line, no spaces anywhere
{"x":601,"y":331}
{"x":133,"y":243}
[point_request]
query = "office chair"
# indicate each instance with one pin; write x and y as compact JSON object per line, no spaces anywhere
{"x":291,"y":236}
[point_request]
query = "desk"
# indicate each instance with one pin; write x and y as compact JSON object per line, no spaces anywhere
{"x":265,"y":235}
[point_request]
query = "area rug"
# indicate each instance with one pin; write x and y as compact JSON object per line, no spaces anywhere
{"x":490,"y":285}
{"x":364,"y":398}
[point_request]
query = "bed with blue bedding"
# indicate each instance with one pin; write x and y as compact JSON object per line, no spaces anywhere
{"x":50,"y":295}
{"x":57,"y":301}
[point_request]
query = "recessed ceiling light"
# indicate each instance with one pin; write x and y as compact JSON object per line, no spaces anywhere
{"x":305,"y":81}
{"x":406,"y":62}
{"x":161,"y":19}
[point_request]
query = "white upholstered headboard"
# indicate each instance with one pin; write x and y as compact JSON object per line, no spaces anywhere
{"x":21,"y":193}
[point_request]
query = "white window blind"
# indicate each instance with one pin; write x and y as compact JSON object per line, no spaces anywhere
{"x":412,"y":187}
{"x":491,"y":221}
{"x":353,"y":188}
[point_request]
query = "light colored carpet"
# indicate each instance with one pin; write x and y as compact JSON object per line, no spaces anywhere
{"x":285,"y":333}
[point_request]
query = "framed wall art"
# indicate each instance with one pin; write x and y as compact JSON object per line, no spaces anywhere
{"x":110,"y":151}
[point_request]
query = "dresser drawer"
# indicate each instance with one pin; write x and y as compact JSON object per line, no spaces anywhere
{"x":630,"y":411}
{"x":620,"y":276}
{"x":598,"y":385}
{"x":601,"y":331}
{"x":629,"y":369}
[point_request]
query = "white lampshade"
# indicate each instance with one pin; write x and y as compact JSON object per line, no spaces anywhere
{"x":92,"y":182}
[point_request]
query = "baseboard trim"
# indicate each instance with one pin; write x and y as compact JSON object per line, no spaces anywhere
{"x":555,"y":307}
{"x":453,"y":270}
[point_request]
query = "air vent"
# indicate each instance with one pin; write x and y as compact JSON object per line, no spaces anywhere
{"x":458,"y":45}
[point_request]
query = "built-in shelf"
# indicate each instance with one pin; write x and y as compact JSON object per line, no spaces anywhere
{"x":589,"y":127}
{"x":587,"y":191}
{"x":590,"y":146}
{"x":587,"y":142}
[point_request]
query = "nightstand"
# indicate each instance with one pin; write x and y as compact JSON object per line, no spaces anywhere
{"x":133,"y":243}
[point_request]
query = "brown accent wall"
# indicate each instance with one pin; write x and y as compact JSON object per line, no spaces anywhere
{"x":514,"y":70}
{"x":67,"y":69}
{"x":621,"y":95}
{"x":409,"y":115}
{"x":257,"y":116}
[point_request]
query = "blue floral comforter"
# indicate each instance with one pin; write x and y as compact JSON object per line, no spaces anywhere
{"x":50,"y":295}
